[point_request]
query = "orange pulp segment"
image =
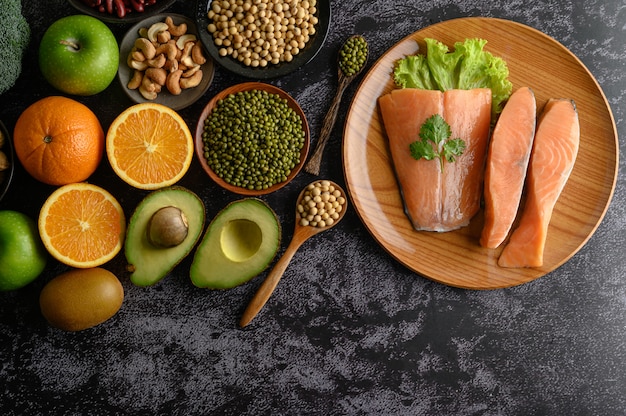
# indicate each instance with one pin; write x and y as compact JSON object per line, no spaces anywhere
{"x":82,"y":225}
{"x":149,"y":146}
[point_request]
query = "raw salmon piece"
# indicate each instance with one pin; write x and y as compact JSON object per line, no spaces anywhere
{"x":468,"y":112}
{"x":551,"y":162}
{"x":434,"y":201}
{"x":403,"y":112}
{"x":507,"y":164}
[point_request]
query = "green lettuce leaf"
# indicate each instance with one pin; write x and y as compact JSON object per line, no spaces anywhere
{"x":468,"y":66}
{"x":413,"y":72}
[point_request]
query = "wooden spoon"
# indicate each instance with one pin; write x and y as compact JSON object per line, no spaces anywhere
{"x":300,"y":235}
{"x":313,"y":165}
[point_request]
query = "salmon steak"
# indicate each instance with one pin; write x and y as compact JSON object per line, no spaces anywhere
{"x":553,"y":156}
{"x":507,"y":163}
{"x":438,"y":198}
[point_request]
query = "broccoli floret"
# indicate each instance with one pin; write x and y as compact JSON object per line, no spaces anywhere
{"x":14,"y":38}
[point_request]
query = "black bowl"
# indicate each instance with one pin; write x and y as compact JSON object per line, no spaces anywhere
{"x":176,"y":102}
{"x":150,"y":11}
{"x":271,"y":71}
{"x":7,"y":175}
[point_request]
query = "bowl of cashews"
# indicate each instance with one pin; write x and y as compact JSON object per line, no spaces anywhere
{"x":162,"y":60}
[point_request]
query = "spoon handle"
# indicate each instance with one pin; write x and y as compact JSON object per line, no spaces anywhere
{"x":269,"y":284}
{"x":313,"y":165}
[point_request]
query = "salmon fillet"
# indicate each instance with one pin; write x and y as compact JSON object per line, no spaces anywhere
{"x":436,"y":201}
{"x":403,"y":112}
{"x":554,"y":152}
{"x":468,"y":112}
{"x":507,"y":164}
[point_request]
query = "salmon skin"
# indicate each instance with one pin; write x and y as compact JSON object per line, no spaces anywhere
{"x":553,"y":156}
{"x":507,"y":163}
{"x":435,"y":200}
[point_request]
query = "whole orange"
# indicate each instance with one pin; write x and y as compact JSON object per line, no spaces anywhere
{"x":59,"y":140}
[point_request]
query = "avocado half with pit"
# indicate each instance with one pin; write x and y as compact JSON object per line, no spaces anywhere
{"x":162,"y":231}
{"x":240,"y":242}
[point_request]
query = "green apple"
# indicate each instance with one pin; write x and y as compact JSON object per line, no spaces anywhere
{"x":79,"y":55}
{"x":22,"y":254}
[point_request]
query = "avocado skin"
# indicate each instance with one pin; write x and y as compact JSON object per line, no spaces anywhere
{"x":147,"y":263}
{"x":213,"y":269}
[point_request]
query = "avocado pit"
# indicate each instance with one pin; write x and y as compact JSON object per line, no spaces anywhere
{"x":168,"y":227}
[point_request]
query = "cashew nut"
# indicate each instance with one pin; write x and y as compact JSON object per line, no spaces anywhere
{"x":157,"y":75}
{"x":171,"y":65}
{"x":197,"y":55}
{"x":185,"y":57}
{"x":148,"y":95}
{"x":137,"y":55}
{"x":135,"y":81}
{"x":167,"y":49}
{"x":192,"y":81}
{"x":191,"y":71}
{"x":189,"y":37}
{"x":145,"y":46}
{"x":155,"y":29}
{"x":163,"y":37}
{"x":4,"y":162}
{"x":157,"y":62}
{"x":173,"y":29}
{"x":173,"y":82}
{"x":134,"y":64}
{"x":148,"y":85}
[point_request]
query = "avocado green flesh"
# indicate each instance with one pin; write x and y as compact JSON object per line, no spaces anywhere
{"x":147,"y":262}
{"x":239,"y":244}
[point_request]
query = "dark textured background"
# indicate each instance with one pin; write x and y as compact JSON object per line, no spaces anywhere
{"x":348,"y":330}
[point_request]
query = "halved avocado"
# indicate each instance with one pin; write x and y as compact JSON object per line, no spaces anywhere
{"x":240,"y":243}
{"x":152,"y":249}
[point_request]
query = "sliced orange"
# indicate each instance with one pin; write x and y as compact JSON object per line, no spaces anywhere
{"x":149,"y":146}
{"x":82,"y":225}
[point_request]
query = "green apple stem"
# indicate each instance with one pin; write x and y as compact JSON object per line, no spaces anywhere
{"x":71,"y":44}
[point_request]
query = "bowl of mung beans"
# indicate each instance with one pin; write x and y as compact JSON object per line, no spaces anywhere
{"x":263,"y":39}
{"x":252,"y":138}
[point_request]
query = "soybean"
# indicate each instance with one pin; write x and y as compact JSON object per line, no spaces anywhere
{"x":353,"y":55}
{"x":321,"y":204}
{"x":261,"y":33}
{"x":253,"y":139}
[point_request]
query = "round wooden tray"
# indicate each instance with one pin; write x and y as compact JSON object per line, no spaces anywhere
{"x":456,"y":258}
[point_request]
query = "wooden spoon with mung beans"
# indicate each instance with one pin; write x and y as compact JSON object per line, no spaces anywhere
{"x":321,"y":198}
{"x":345,"y":78}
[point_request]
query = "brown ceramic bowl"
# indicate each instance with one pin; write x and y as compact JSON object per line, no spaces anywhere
{"x":248,"y":86}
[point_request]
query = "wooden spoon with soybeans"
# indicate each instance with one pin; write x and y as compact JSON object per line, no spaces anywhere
{"x":321,"y":205}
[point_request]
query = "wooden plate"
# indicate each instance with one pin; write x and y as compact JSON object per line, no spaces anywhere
{"x":249,"y":86}
{"x":455,"y":258}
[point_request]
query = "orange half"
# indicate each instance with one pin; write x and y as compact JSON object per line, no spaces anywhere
{"x":149,"y":146}
{"x":82,"y":225}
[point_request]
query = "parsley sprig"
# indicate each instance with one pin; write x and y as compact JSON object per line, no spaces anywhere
{"x":436,"y":143}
